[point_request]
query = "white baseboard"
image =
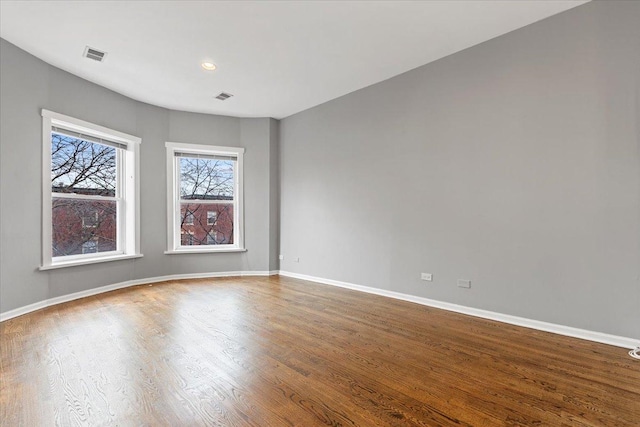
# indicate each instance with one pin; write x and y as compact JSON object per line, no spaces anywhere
{"x":90,"y":292}
{"x":569,"y":331}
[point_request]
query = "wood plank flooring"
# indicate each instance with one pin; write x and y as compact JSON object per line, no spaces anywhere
{"x":275,"y":351}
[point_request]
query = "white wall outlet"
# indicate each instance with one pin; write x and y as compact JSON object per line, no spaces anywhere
{"x":296,"y":260}
{"x":464,"y":283}
{"x":280,"y":257}
{"x":426,"y":276}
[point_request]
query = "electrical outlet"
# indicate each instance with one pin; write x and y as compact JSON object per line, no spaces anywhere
{"x":464,"y":283}
{"x":426,"y":276}
{"x":280,"y":257}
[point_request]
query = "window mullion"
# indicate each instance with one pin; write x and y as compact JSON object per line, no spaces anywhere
{"x":84,"y":197}
{"x":207,"y":202}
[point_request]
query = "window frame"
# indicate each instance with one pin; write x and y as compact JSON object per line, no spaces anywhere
{"x":174,"y":245}
{"x":127,"y":181}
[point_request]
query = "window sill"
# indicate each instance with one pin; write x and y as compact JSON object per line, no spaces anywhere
{"x":88,"y":261}
{"x":203,"y":251}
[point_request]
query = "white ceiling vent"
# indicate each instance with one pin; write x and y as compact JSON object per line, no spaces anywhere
{"x":223,"y":96}
{"x":94,"y":54}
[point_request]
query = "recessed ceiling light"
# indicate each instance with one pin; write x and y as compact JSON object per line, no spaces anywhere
{"x":209,"y":66}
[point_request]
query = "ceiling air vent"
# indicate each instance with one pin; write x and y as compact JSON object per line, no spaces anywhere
{"x":94,"y":54}
{"x":223,"y":96}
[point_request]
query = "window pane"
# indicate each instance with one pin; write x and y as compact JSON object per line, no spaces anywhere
{"x":204,"y":230}
{"x":82,"y":167}
{"x":206,"y":179}
{"x":83,"y":226}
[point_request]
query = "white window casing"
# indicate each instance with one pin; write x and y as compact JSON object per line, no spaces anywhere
{"x":174,"y":152}
{"x":126,"y":194}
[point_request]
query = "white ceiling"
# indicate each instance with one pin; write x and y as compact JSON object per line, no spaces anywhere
{"x":276,"y":57}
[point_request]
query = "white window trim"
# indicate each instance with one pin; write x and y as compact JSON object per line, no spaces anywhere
{"x":130,"y":234}
{"x":173,"y":201}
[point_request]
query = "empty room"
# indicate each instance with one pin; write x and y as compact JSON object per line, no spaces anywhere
{"x":310,"y":213}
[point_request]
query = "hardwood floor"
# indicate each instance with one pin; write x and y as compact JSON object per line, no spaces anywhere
{"x":284,"y":352}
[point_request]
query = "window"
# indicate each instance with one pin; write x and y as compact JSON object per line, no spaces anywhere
{"x":211,"y":217}
{"x":90,"y":221}
{"x":187,"y":238}
{"x":89,"y":197}
{"x":90,"y":247}
{"x":205,"y":198}
{"x":211,"y":238}
{"x":188,"y":218}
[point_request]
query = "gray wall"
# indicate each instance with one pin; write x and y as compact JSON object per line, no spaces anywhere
{"x":27,"y":86}
{"x":274,"y":199}
{"x":514,"y":164}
